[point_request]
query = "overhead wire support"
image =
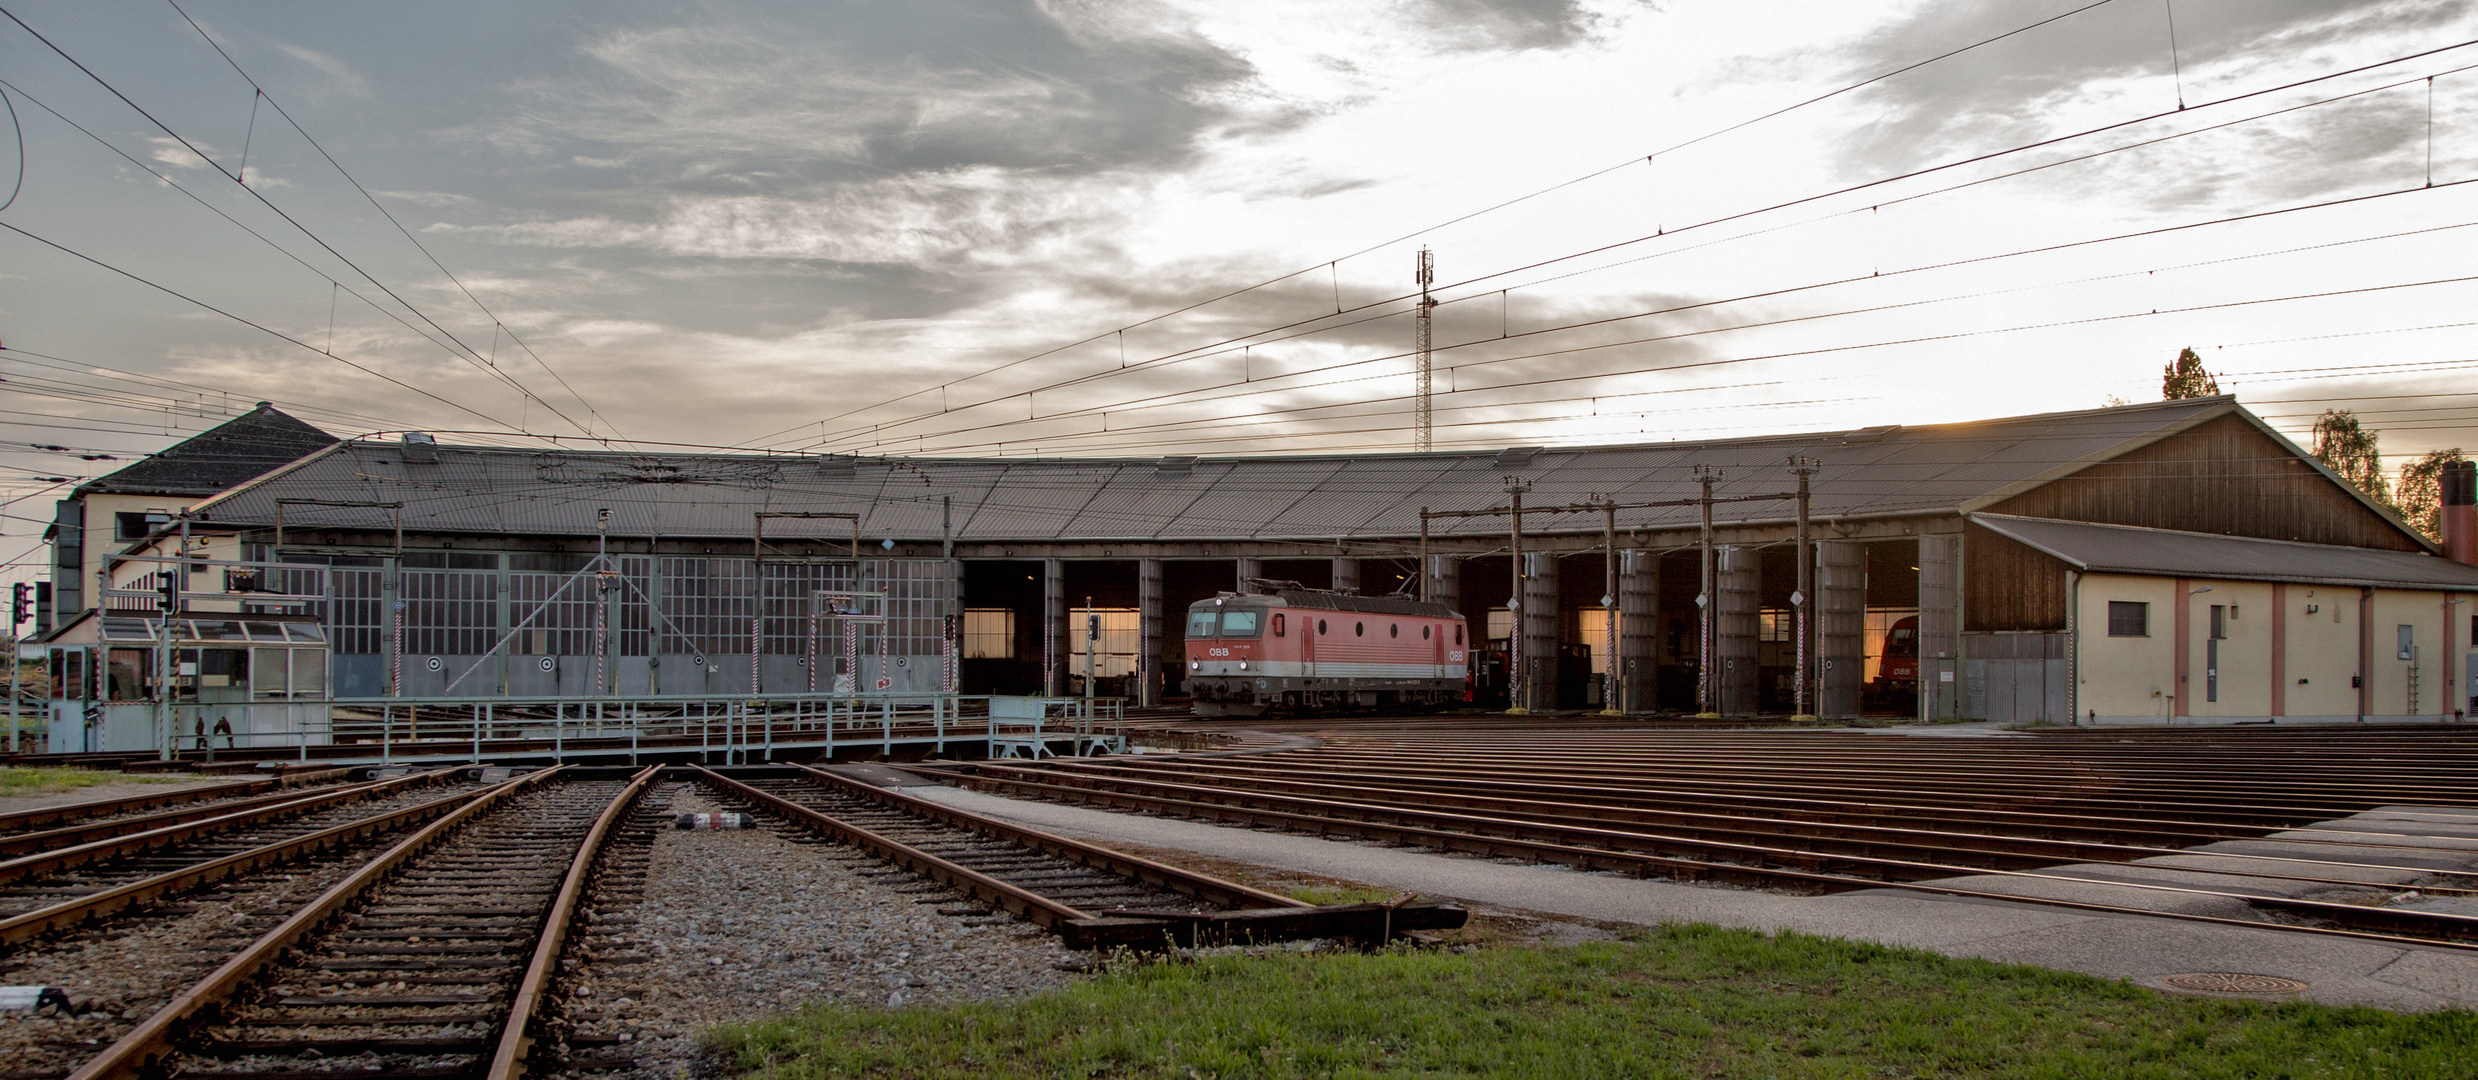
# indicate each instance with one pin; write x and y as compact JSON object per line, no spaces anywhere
{"x":1332,"y":265}
{"x":1424,"y":272}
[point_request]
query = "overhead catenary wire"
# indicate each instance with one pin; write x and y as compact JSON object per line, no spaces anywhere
{"x":1256,"y":386}
{"x":498,"y":324}
{"x":258,"y":195}
{"x":1333,"y":263}
{"x":1734,"y":216}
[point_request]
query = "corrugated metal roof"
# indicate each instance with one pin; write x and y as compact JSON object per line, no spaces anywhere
{"x":1874,"y":472}
{"x":236,"y":450}
{"x":2124,"y":549}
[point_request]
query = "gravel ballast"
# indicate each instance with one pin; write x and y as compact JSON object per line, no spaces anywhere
{"x":739,"y":925}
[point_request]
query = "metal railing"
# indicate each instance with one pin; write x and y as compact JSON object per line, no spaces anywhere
{"x":739,"y":728}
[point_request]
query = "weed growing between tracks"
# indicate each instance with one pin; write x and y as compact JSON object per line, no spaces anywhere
{"x":17,"y":781}
{"x":1687,"y":1001}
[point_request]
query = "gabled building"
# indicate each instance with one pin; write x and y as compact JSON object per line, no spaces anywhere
{"x":110,"y":512}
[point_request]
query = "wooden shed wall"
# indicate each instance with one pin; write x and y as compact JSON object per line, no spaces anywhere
{"x":2223,"y":476}
{"x":2008,"y":586}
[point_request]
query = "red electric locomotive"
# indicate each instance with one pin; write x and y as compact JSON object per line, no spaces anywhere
{"x":1307,"y":650}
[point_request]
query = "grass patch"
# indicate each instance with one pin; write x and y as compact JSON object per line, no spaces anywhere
{"x":16,"y":781}
{"x":1688,"y":1001}
{"x":1321,"y":895}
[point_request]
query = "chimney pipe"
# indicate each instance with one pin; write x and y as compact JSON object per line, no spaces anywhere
{"x":2460,"y":511}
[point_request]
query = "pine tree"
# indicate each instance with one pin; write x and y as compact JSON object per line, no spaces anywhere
{"x":2186,"y":378}
{"x":2347,"y":448}
{"x":2422,"y":492}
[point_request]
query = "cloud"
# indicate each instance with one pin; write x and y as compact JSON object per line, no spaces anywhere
{"x":1474,"y":25}
{"x":342,"y":76}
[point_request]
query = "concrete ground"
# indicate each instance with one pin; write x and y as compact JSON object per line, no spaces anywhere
{"x":2378,"y":857}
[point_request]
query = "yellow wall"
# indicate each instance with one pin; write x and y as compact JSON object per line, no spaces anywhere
{"x":2133,"y":678}
{"x":2125,"y":676}
{"x":2323,"y":650}
{"x":2245,"y":650}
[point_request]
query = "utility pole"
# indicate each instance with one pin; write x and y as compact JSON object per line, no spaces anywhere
{"x":603,"y":580}
{"x":1609,"y":603}
{"x":1092,"y":641}
{"x":1804,"y":598}
{"x":1424,"y":273}
{"x":1707,"y":693}
{"x":1514,"y":605}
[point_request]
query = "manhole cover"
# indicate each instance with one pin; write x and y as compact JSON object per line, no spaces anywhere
{"x":2225,"y":982}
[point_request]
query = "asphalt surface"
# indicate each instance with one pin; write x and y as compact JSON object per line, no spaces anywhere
{"x":2408,"y":843}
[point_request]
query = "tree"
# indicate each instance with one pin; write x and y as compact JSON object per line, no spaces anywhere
{"x":2186,"y":378}
{"x":2349,"y":449}
{"x":2422,"y":492}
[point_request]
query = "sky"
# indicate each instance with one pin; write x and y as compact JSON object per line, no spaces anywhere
{"x":1160,"y":227}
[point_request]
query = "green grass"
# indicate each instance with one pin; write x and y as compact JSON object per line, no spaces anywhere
{"x":1691,"y":1001}
{"x":1340,"y":894}
{"x":16,"y":781}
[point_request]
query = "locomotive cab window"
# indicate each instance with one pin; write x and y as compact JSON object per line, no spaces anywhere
{"x":1240,"y":622}
{"x":1393,"y":629}
{"x":1200,"y":623}
{"x":1458,"y":633}
{"x":1277,"y":625}
{"x":1320,"y":626}
{"x":1359,"y":629}
{"x":1424,"y":633}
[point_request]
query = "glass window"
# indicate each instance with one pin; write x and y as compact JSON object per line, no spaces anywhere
{"x":2407,"y":638}
{"x":128,"y":674}
{"x":309,"y":673}
{"x":1240,"y":622}
{"x":224,"y":667}
{"x":218,"y":630}
{"x":1277,"y":626}
{"x":2129,"y":618}
{"x":68,"y":673}
{"x":1359,"y":629}
{"x":267,"y":674}
{"x":1458,"y":633}
{"x":989,"y":634}
{"x":1320,"y":626}
{"x":1200,"y":623}
{"x":305,"y":631}
{"x":128,"y":630}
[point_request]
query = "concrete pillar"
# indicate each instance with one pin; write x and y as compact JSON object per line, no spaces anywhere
{"x":1053,"y":627}
{"x":1639,"y":596}
{"x":1540,"y":625}
{"x":1149,"y":633}
{"x":1445,"y":582}
{"x":1841,"y":626}
{"x":1248,"y":568}
{"x":1940,"y":625}
{"x":1735,"y":627}
{"x":1346,"y":575}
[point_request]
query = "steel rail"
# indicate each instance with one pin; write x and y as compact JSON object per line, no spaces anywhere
{"x":142,"y":1051}
{"x":1780,"y":766}
{"x":28,"y":842}
{"x":2051,"y":795}
{"x":1040,"y":910}
{"x":24,"y":927}
{"x":25,"y":866}
{"x":2456,"y":931}
{"x":30,"y":819}
{"x":1458,"y":784}
{"x":1863,"y":836}
{"x":1226,"y":893}
{"x":509,"y":1061}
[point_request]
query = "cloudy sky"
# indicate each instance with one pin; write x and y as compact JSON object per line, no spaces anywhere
{"x":1081,"y":226}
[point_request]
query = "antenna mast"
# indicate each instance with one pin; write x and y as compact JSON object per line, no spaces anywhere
{"x":1424,"y":272}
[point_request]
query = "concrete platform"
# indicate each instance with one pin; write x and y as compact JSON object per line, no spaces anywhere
{"x":2399,"y":845}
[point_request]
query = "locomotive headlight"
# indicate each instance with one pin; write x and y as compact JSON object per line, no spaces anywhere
{"x":1243,"y":665}
{"x":1194,"y":665}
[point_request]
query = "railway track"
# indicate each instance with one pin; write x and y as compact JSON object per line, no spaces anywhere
{"x":431,"y":959}
{"x":1091,"y":896}
{"x":98,"y":811}
{"x":2015,"y":819}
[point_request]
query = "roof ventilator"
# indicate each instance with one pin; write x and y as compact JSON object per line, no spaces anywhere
{"x":421,"y":447}
{"x":1516,"y":457}
{"x":1175,"y":465}
{"x":1869,"y":435}
{"x":836,"y":467}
